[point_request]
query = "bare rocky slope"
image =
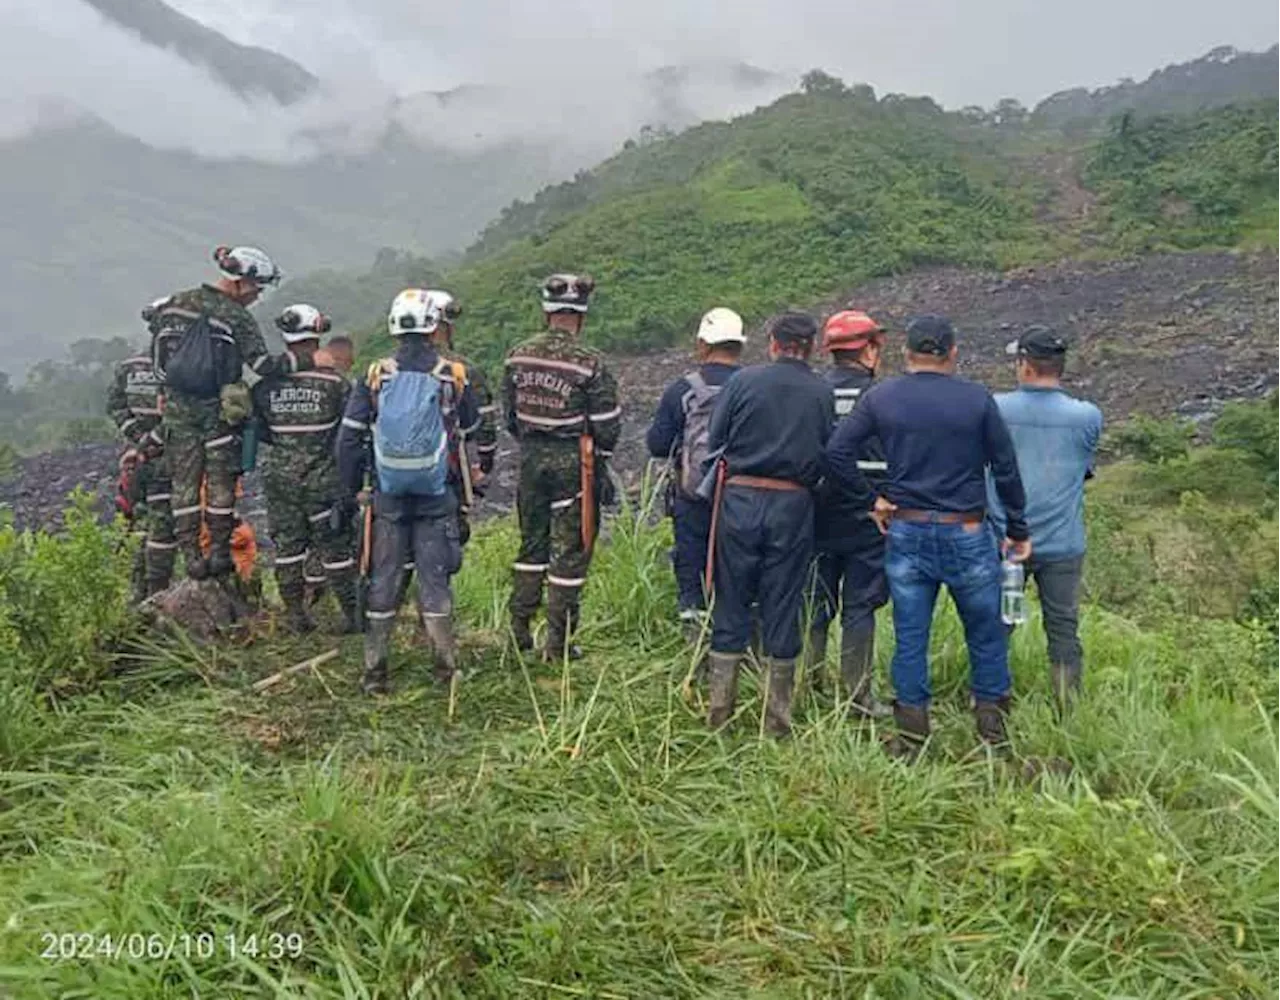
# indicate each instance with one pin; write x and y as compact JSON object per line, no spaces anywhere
{"x":1163,"y":334}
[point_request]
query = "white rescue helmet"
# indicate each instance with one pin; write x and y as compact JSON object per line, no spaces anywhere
{"x":246,"y":264}
{"x":413,"y":311}
{"x":567,"y":293}
{"x":721,"y":326}
{"x":302,"y":322}
{"x":445,"y":304}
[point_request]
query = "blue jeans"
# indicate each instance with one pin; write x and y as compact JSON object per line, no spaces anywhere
{"x":921,"y":556}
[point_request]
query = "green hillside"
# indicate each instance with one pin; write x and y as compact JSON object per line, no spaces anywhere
{"x":776,"y":208}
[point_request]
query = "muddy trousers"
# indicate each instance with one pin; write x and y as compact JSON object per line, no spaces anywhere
{"x":549,"y":504}
{"x":201,"y":448}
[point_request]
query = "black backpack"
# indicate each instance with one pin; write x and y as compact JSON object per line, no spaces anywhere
{"x":197,"y":359}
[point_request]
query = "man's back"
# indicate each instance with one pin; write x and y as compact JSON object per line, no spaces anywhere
{"x":1055,"y":436}
{"x":774,"y":420}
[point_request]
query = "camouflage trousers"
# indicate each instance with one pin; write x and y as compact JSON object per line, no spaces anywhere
{"x":153,"y":518}
{"x":549,"y":505}
{"x":299,"y":510}
{"x":199,"y":446}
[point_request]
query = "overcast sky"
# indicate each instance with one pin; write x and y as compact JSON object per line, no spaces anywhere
{"x":958,"y":51}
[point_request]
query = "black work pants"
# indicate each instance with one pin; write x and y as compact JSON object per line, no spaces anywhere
{"x":850,"y":577}
{"x":691,"y":527}
{"x":764,"y":546}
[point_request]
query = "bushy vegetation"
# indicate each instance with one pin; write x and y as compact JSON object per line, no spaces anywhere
{"x":576,"y":831}
{"x":1208,"y":179}
{"x":776,"y":208}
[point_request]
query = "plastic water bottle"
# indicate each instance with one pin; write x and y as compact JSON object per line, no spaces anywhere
{"x":1013,"y":593}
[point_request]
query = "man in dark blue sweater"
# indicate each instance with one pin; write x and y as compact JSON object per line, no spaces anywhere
{"x":679,"y":435}
{"x":767,"y":437}
{"x":940,"y":434}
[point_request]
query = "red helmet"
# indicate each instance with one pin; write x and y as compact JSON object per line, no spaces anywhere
{"x":851,"y":330}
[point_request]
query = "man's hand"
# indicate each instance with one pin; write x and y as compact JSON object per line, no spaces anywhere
{"x":882,"y":514}
{"x":363,"y":498}
{"x":1016,"y":551}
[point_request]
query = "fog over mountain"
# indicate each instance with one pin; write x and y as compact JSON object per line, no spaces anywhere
{"x":134,"y":135}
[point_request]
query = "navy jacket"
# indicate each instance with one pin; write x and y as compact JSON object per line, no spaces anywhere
{"x":940,"y":434}
{"x":842,"y":512}
{"x":666,"y":433}
{"x":774,"y":420}
{"x":354,"y":444}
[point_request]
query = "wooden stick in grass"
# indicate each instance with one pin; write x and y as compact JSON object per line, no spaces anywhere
{"x":297,"y":668}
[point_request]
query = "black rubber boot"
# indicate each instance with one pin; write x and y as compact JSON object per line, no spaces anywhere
{"x":913,"y":731}
{"x":723,"y":676}
{"x":160,"y":559}
{"x":343,"y":585}
{"x":444,"y":647}
{"x":857,"y":654}
{"x":377,"y":642}
{"x":562,"y":624}
{"x":777,"y":708}
{"x":526,"y":598}
{"x":1066,"y":684}
{"x":296,"y":618}
{"x":220,"y":528}
{"x":815,"y":659}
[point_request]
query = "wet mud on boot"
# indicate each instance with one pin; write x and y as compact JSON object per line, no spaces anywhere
{"x":815,"y":661}
{"x":377,"y":643}
{"x":1065,"y":681}
{"x":444,"y":647}
{"x":722,"y":676}
{"x":857,"y":654}
{"x":990,"y":719}
{"x":913,"y":731}
{"x":780,"y":686}
{"x":562,"y":624}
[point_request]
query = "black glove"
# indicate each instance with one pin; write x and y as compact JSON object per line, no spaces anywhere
{"x":607,"y":491}
{"x":342,"y":514}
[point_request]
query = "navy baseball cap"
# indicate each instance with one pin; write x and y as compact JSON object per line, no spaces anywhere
{"x":931,"y":335}
{"x":1037,"y":342}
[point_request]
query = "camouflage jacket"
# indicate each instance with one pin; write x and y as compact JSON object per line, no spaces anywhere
{"x":555,"y":386}
{"x":301,"y":412}
{"x":232,"y":325}
{"x":133,"y":400}
{"x":484,"y":432}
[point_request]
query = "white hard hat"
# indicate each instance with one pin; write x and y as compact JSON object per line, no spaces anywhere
{"x":302,"y":322}
{"x":567,"y":293}
{"x":721,"y":326}
{"x":246,"y":264}
{"x":446,"y":304}
{"x":413,"y":311}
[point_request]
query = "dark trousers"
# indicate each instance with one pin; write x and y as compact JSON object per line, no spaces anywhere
{"x":403,"y":528}
{"x":1058,"y":583}
{"x":764,"y":546}
{"x":849,"y":576}
{"x":691,"y":526}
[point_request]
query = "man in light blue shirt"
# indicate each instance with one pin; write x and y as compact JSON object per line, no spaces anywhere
{"x":1054,"y":436}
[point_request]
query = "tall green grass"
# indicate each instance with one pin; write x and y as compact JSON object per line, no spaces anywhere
{"x":575,"y":831}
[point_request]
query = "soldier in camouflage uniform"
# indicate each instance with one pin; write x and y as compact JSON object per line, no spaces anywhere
{"x":556,"y":391}
{"x":302,"y":411}
{"x":202,"y":436}
{"x":133,"y":401}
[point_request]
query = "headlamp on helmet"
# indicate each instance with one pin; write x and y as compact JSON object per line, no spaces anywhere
{"x":567,"y":293}
{"x":302,"y":322}
{"x":413,"y":311}
{"x":246,"y":264}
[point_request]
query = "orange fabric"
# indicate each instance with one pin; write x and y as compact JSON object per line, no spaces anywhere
{"x":244,"y":542}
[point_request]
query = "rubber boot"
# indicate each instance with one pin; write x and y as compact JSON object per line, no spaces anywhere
{"x":526,"y":598}
{"x":777,"y":708}
{"x":296,"y":618}
{"x":220,"y":528}
{"x":913,"y":731}
{"x":138,"y":576}
{"x":160,"y":567}
{"x":723,"y":674}
{"x":815,"y":659}
{"x":377,"y":641}
{"x":444,"y":646}
{"x":990,"y":716}
{"x":1066,"y":684}
{"x":343,"y":585}
{"x":857,"y":654}
{"x":187,"y":528}
{"x":562,"y":624}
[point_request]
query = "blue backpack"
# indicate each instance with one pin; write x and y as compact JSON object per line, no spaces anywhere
{"x":410,"y":440}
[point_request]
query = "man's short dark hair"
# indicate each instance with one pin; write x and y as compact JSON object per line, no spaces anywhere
{"x":857,"y":355}
{"x":794,"y":329}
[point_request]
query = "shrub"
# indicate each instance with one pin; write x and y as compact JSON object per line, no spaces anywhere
{"x":1252,"y":427}
{"x":1150,"y":439}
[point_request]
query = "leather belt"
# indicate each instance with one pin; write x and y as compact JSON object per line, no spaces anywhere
{"x":939,"y":516}
{"x":764,"y":483}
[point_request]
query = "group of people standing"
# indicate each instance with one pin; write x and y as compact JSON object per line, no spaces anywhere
{"x":797,"y":497}
{"x":820,"y":495}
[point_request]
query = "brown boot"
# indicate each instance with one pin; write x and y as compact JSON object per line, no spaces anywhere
{"x":990,"y":716}
{"x":1066,"y":684}
{"x":723,"y":674}
{"x":913,"y":731}
{"x":777,"y":708}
